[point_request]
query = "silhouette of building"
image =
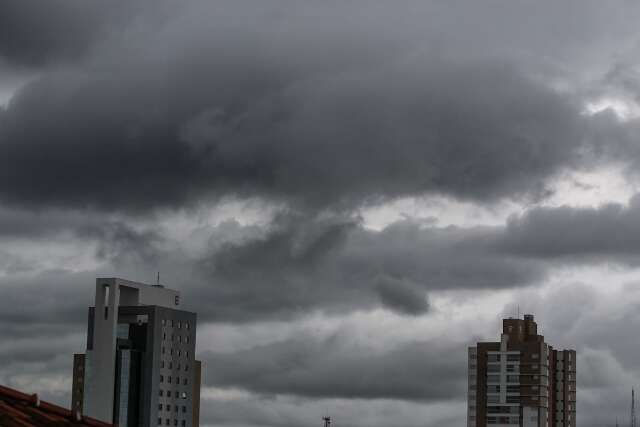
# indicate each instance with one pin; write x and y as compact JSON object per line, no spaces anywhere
{"x":521,"y":380}
{"x":139,"y":368}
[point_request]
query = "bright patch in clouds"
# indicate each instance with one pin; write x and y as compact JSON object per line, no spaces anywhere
{"x":624,"y":108}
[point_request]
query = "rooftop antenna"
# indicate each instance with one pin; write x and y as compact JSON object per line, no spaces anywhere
{"x":158,"y":285}
{"x":632,"y":421}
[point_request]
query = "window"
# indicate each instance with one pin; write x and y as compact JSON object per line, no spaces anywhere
{"x":175,"y":407}
{"x":159,"y":421}
{"x":170,"y":365}
{"x":184,"y":381}
{"x":186,"y":325}
{"x":186,"y":354}
{"x":535,"y":356}
{"x":183,"y":395}
{"x":178,"y":367}
{"x":171,"y":323}
{"x":171,"y":351}
{"x":186,"y":367}
{"x":162,"y":363}
{"x":164,"y":336}
{"x":166,"y":422}
{"x":184,"y":423}
{"x":164,"y":322}
{"x":186,"y":339}
{"x":175,"y":422}
{"x":169,"y":379}
{"x":184,"y":409}
{"x":161,"y":378}
{"x":177,"y":380}
{"x":179,"y":324}
{"x":162,"y":349}
{"x":179,"y":352}
{"x":168,"y":407}
{"x":161,"y":392}
{"x":168,"y":393}
{"x":160,"y":407}
{"x":179,"y":338}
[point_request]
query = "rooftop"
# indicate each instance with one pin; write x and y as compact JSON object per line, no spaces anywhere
{"x":18,"y":409}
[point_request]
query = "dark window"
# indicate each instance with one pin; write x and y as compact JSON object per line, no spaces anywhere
{"x":162,"y":378}
{"x":166,"y":422}
{"x":168,"y":407}
{"x":169,"y":379}
{"x":160,"y":407}
{"x":159,"y":421}
{"x":184,"y":409}
{"x":179,"y":325}
{"x":184,"y":381}
{"x":168,"y":393}
{"x":184,"y":423}
{"x":160,"y":392}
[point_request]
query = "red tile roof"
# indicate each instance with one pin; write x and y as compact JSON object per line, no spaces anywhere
{"x":27,"y":410}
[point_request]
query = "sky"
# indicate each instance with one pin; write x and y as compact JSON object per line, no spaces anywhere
{"x":347,"y":192}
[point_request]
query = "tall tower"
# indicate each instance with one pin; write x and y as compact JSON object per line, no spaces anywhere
{"x":139,"y":367}
{"x":521,"y":380}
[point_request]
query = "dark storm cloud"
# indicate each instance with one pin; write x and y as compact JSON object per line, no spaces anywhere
{"x":36,"y":33}
{"x":338,"y":367}
{"x":609,"y":232}
{"x":350,"y":122}
{"x":52,"y":297}
{"x":336,"y":264}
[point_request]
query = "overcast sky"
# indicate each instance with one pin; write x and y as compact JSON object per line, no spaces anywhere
{"x":348,"y":192}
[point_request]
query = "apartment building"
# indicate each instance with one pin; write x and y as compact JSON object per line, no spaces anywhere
{"x":521,"y":380}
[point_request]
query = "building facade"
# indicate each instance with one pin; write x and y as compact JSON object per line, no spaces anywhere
{"x":521,"y":380}
{"x":139,"y":368}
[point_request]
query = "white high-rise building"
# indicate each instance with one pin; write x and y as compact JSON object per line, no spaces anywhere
{"x":139,"y":367}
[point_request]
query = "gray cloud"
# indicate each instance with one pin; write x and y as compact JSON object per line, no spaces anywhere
{"x":37,"y":33}
{"x":357,"y":122}
{"x":337,"y":367}
{"x":303,"y":264}
{"x":609,"y":231}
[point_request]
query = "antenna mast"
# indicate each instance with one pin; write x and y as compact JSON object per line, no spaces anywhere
{"x":632,"y":422}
